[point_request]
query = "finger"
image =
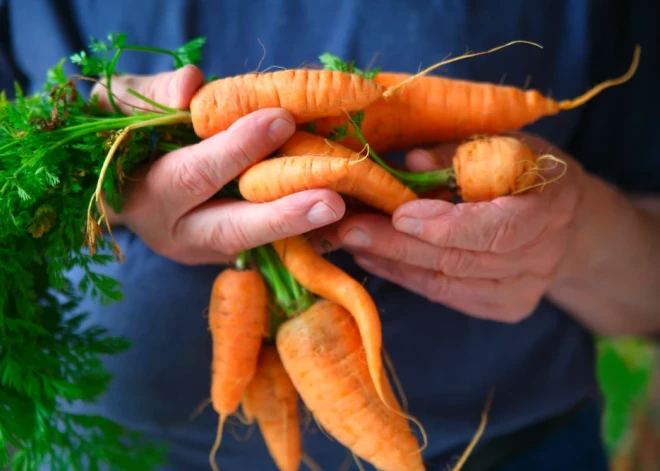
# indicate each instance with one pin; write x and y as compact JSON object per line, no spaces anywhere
{"x":499,"y":226}
{"x":423,"y":160}
{"x":173,"y":89}
{"x":229,"y":227}
{"x":372,"y":234}
{"x":509,"y":301}
{"x":189,"y":176}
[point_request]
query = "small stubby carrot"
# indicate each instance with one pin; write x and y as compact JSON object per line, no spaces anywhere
{"x":272,"y":400}
{"x":419,"y":110}
{"x":321,"y":350}
{"x":323,"y":164}
{"x":493,"y":166}
{"x":307,"y":94}
{"x":238,"y":323}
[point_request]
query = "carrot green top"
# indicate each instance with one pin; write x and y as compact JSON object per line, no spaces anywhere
{"x":154,"y":341}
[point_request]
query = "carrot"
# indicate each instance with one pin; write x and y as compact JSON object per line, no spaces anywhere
{"x":318,"y":163}
{"x":272,"y":400}
{"x":238,"y":322}
{"x":491,"y":167}
{"x":321,"y":350}
{"x":328,"y":281}
{"x":274,"y":178}
{"x":306,"y":94}
{"x":420,"y":110}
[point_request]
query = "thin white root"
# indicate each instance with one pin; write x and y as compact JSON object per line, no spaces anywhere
{"x":395,"y":378}
{"x":216,"y":444}
{"x":310,"y":463}
{"x":537,"y":172}
{"x":394,"y":88}
{"x":200,"y":408}
{"x":93,"y":226}
{"x":477,"y":435}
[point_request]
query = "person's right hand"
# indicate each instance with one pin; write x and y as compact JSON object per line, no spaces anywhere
{"x":169,"y":203}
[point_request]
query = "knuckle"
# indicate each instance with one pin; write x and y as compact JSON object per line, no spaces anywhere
{"x":399,"y":252}
{"x":192,"y":179}
{"x":437,"y":289}
{"x":278,"y":225}
{"x":152,"y":87}
{"x":458,"y":263}
{"x":505,"y":235}
{"x":239,"y":156}
{"x":225,"y":237}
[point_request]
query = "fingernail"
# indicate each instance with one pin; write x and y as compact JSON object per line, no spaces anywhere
{"x":280,"y":129}
{"x":364,"y":262}
{"x":409,"y":226}
{"x":321,"y":213}
{"x":357,"y":238}
{"x":422,"y":156}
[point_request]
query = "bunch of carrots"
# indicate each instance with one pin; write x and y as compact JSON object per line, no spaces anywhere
{"x":287,"y":325}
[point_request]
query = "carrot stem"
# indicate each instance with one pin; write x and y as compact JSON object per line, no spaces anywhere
{"x":290,"y":295}
{"x":243,"y":259}
{"x":416,"y":181}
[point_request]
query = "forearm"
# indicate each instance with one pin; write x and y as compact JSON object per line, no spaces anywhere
{"x":610,"y":279}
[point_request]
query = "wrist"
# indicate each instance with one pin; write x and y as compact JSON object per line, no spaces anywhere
{"x":595,"y":220}
{"x":604,"y":279}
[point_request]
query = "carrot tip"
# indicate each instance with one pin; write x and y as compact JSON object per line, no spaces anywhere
{"x":216,"y":444}
{"x":589,"y":94}
{"x":478,"y":433}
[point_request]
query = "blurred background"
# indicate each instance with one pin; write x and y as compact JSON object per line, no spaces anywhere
{"x":629,"y":373}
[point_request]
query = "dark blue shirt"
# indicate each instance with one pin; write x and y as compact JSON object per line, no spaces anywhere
{"x":446,"y":361}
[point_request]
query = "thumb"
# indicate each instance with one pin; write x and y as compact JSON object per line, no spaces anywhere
{"x":422,"y":160}
{"x":173,"y":89}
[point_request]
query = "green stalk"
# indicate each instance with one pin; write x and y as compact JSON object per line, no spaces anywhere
{"x":417,"y":181}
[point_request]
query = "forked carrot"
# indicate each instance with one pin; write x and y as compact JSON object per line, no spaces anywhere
{"x":419,"y":110}
{"x":307,"y":94}
{"x":272,"y":400}
{"x":321,"y":350}
{"x":238,"y":322}
{"x":330,"y":282}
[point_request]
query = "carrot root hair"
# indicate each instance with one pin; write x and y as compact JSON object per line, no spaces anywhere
{"x":395,"y":378}
{"x":200,"y":408}
{"x":595,"y":90}
{"x":218,"y":441}
{"x":536,"y":170}
{"x":390,"y":91}
{"x":310,"y":463}
{"x":478,"y":433}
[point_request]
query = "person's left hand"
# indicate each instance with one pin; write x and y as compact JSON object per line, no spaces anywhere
{"x":493,"y":260}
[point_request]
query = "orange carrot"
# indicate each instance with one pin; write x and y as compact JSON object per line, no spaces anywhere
{"x":330,"y":282}
{"x":420,"y":110}
{"x":238,"y":322}
{"x":272,"y":400}
{"x":488,"y":167}
{"x":306,"y":94}
{"x":322,"y":352}
{"x":276,"y":177}
{"x":318,"y":163}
